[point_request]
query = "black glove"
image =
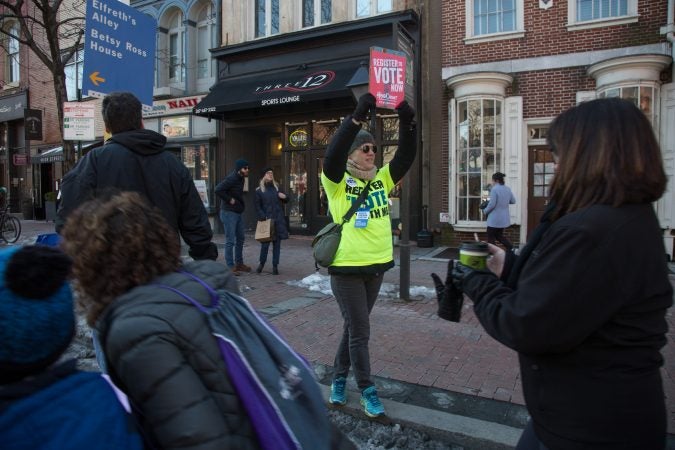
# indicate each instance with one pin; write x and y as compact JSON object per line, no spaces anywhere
{"x":406,"y":113}
{"x":366,"y":104}
{"x":461,"y":272}
{"x":450,"y":299}
{"x":207,"y":251}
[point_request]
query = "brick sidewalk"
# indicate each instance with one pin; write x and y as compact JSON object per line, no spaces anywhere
{"x":409,"y":343}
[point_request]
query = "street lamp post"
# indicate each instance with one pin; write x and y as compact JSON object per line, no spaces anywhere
{"x":359,"y":86}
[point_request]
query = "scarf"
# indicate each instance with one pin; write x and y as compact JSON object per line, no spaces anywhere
{"x":359,"y":172}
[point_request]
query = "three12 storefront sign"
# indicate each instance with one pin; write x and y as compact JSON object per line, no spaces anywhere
{"x":33,"y":124}
{"x":386,"y":78}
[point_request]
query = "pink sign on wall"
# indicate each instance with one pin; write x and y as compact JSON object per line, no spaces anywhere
{"x":387,"y":76}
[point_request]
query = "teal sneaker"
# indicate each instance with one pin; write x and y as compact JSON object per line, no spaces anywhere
{"x":337,"y":391}
{"x":371,"y":402}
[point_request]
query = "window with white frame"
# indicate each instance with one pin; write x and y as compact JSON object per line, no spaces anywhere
{"x":206,"y":38}
{"x":478,"y":153}
{"x":174,"y":49}
{"x":12,"y":61}
{"x":266,"y":17}
{"x":73,"y":71}
{"x":366,"y":8}
{"x":583,"y":12}
{"x":643,"y":96}
{"x":316,"y":12}
{"x":494,"y":18}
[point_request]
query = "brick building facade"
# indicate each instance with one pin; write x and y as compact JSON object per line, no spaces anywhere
{"x":511,"y":68}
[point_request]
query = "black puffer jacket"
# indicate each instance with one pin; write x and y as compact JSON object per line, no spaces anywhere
{"x":160,"y":351}
{"x":136,"y":161}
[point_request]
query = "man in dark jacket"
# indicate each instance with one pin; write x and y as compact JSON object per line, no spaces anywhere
{"x":134,"y":159}
{"x":231,"y":194}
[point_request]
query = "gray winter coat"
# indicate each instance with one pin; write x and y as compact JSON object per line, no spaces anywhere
{"x":160,"y":351}
{"x":497,"y":209}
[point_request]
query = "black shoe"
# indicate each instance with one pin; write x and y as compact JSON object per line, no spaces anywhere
{"x":275,"y":271}
{"x":260,"y":268}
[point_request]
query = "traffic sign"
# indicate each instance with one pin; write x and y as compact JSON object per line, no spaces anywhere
{"x":79,"y":121}
{"x":119,"y":50}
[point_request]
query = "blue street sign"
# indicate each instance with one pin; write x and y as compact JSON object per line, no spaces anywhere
{"x":119,"y":50}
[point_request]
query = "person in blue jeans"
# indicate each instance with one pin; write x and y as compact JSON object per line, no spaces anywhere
{"x":231,"y":194}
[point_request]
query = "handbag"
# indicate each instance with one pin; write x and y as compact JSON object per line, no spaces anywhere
{"x":327,"y":240}
{"x":264,"y":230}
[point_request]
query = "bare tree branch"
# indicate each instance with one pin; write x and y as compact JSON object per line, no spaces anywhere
{"x":53,"y":30}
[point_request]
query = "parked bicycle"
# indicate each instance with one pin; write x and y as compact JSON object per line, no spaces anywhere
{"x":10,"y":227}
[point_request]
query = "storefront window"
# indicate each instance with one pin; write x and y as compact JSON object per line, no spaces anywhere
{"x":323,"y":131}
{"x":297,"y":186}
{"x":196,"y":159}
{"x":479,"y":153}
{"x":176,"y":126}
{"x":641,"y":95}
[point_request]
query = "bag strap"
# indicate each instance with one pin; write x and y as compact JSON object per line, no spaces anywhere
{"x":215,"y":298}
{"x":356,"y":204}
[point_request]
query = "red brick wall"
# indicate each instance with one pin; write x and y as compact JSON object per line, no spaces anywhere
{"x":546,"y":34}
{"x":545,"y":93}
{"x":41,"y":96}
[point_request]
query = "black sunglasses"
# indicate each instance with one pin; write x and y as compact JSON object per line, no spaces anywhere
{"x":365,"y":148}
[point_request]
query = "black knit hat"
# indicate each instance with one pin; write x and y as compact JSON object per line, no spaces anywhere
{"x":240,"y":164}
{"x":265,"y":170}
{"x":363,"y":137}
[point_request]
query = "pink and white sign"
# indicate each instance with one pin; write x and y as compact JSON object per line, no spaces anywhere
{"x":387,"y":76}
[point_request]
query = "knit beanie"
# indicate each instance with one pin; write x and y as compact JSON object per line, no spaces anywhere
{"x":362,"y":137}
{"x":37,"y":321}
{"x":240,"y":164}
{"x":264,"y":171}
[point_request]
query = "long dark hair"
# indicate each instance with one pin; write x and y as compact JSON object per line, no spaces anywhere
{"x":607,"y":154}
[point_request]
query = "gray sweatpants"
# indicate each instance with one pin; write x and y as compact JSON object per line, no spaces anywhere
{"x":356,"y":295}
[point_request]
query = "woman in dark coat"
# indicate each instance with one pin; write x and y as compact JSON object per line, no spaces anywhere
{"x":268,"y":204}
{"x":584,"y":303}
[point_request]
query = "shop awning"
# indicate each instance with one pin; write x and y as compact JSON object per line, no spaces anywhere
{"x":285,"y":88}
{"x":55,"y":154}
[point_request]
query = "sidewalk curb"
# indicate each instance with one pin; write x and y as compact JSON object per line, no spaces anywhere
{"x":459,"y":430}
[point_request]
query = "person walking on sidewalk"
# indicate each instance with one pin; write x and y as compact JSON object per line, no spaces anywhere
{"x":232,"y":205}
{"x":365,"y":251}
{"x":497,"y":211}
{"x":134,"y":159}
{"x":584,"y":303}
{"x":268,"y":205}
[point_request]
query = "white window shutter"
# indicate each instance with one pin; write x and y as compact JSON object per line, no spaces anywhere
{"x":666,"y":205}
{"x":452,"y":161}
{"x":514,"y":149}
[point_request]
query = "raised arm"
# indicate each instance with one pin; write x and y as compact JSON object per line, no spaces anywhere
{"x":407,"y":142}
{"x":338,"y":150}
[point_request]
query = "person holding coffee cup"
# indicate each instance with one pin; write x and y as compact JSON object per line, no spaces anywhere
{"x":584,"y":302}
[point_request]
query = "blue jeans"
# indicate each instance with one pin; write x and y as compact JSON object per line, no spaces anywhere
{"x":276,"y":252}
{"x":233,"y":226}
{"x":356,"y":295}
